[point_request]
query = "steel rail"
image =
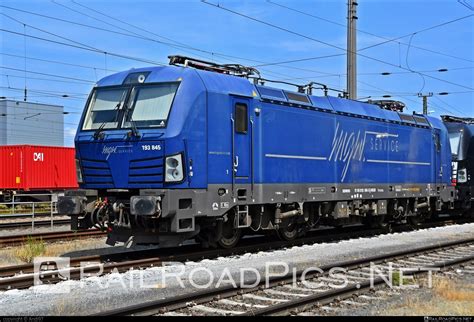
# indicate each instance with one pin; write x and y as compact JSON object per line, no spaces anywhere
{"x":21,"y":224}
{"x":147,"y":258}
{"x":343,"y":293}
{"x":206,"y":296}
{"x":28,"y":215}
{"x":12,"y":240}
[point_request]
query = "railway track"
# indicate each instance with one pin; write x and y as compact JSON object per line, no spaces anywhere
{"x":41,"y":223}
{"x":21,"y":216}
{"x":49,"y":236}
{"x":21,"y":276}
{"x":282,"y":296}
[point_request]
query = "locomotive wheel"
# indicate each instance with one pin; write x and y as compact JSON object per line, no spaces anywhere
{"x":100,"y":222}
{"x":377,"y":222}
{"x":414,"y":220}
{"x":290,"y":232}
{"x":468,"y":213}
{"x":230,"y":236}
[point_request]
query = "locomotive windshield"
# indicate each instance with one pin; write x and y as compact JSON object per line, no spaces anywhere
{"x":150,"y":105}
{"x":103,"y":108}
{"x":454,"y":139}
{"x":146,"y":106}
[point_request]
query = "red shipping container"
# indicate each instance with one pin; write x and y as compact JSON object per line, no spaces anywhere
{"x":28,"y":167}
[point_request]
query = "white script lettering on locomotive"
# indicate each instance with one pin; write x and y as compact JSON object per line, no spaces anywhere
{"x":348,"y":146}
{"x":384,"y":144}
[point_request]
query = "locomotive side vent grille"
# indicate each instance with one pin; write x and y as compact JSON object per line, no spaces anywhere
{"x":97,"y":173}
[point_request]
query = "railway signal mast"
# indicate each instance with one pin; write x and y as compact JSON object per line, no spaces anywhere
{"x":352,"y":49}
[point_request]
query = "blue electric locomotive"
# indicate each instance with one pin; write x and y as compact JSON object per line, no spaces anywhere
{"x":196,"y":150}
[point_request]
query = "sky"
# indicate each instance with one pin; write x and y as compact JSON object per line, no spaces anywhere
{"x":91,"y":39}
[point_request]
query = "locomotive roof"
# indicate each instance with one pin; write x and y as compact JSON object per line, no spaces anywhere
{"x":233,"y":85}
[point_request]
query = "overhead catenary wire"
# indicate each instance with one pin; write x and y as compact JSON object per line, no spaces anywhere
{"x":408,"y":66}
{"x":45,"y":31}
{"x":48,"y":74}
{"x":52,"y":93}
{"x":388,"y":92}
{"x":43,"y":121}
{"x":89,"y":49}
{"x":438,"y":107}
{"x":375,"y":45}
{"x":399,"y":72}
{"x":57,"y":62}
{"x":402,"y":96}
{"x":46,"y":94}
{"x":105,"y":55}
{"x":42,"y":129}
{"x":135,"y":35}
{"x":141,"y":37}
{"x":369,"y":33}
{"x":209,"y":52}
{"x":449,"y":105}
{"x":62,"y":93}
{"x":123,"y":29}
{"x":65,"y":110}
{"x":307,"y":77}
{"x":12,"y":116}
{"x":324,"y":42}
{"x":382,"y":73}
{"x":10,"y":98}
{"x":46,"y":79}
{"x":48,"y":107}
{"x":212,"y":53}
{"x":53,"y":42}
{"x":145,"y":30}
{"x":128,"y":34}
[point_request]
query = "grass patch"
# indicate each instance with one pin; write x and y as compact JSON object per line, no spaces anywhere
{"x":450,"y":291}
{"x":8,"y":255}
{"x":400,"y":280}
{"x":31,"y":249}
{"x":447,"y":297}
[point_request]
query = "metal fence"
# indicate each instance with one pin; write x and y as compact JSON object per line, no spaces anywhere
{"x":16,"y":209}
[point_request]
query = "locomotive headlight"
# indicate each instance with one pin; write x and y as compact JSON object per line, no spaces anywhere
{"x":174,"y":168}
{"x":462,"y":175}
{"x":79,"y":171}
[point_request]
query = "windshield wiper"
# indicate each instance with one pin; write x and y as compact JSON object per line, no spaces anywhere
{"x":134,"y":131}
{"x":101,"y":127}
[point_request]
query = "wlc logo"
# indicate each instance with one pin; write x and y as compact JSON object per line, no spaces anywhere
{"x":118,"y":149}
{"x":38,"y":156}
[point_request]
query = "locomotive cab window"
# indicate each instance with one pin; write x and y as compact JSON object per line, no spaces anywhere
{"x":454,"y":140}
{"x":241,"y":118}
{"x":104,"y":108}
{"x":151,"y":105}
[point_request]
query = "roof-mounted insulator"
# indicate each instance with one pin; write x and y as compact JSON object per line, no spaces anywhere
{"x":390,"y":105}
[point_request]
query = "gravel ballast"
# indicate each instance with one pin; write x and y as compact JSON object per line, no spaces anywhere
{"x":90,"y":296}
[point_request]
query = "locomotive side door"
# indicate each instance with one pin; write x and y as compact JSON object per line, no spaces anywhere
{"x":241,"y":140}
{"x":437,"y":159}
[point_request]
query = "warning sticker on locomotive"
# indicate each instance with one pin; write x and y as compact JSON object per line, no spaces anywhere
{"x":316,"y":190}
